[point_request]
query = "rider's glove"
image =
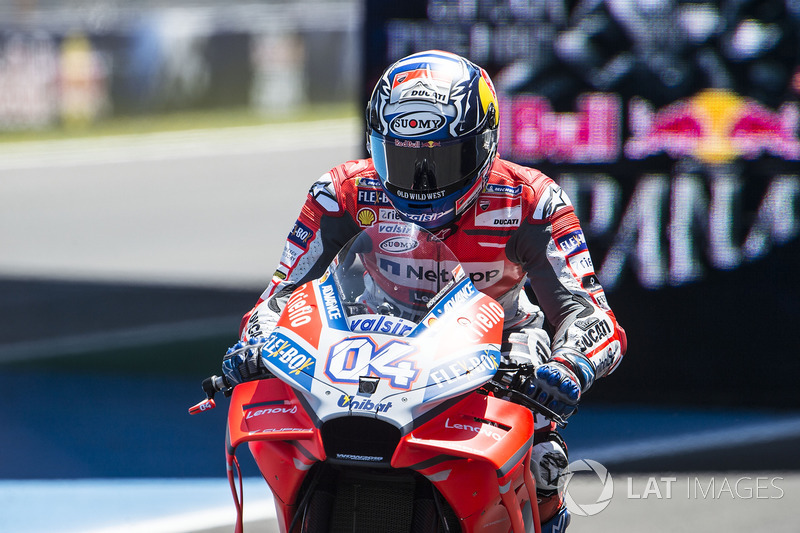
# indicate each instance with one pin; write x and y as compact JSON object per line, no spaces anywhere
{"x":559,"y":383}
{"x":243,"y":362}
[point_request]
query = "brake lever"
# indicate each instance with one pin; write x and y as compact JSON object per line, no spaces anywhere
{"x":211,"y":386}
{"x":530,"y":403}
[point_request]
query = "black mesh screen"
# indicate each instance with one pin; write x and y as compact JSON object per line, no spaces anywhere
{"x":349,"y":499}
{"x":370,"y":503}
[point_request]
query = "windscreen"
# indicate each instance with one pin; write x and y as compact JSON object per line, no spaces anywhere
{"x":394,"y":269}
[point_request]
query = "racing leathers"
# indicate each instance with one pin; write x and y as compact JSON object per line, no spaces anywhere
{"x":522,"y":228}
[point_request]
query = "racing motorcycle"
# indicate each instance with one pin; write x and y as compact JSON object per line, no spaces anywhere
{"x":386,"y":407}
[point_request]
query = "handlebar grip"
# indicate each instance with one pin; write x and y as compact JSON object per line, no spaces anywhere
{"x":211,"y":386}
{"x":214,"y":384}
{"x":530,"y":403}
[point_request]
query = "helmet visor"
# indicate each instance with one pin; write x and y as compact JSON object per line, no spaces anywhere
{"x":428,"y":170}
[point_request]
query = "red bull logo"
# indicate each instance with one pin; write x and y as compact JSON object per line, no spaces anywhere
{"x":715,"y":126}
{"x":534,"y":132}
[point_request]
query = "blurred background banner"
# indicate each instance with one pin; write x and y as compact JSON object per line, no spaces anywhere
{"x":673,"y":126}
{"x":74,"y":63}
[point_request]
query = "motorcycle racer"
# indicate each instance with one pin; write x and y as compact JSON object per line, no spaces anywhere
{"x":432,"y":134}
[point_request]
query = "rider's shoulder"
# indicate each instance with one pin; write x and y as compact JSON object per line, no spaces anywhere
{"x":342,"y":182}
{"x":356,"y":172}
{"x":510,"y":176}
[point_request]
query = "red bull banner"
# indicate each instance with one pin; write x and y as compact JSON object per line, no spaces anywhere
{"x":674,"y":127}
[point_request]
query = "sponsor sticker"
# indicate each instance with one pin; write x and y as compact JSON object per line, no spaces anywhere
{"x":333,"y":309}
{"x":368,"y":182}
{"x":291,"y":360}
{"x":414,"y":273}
{"x":592,"y":335}
{"x":427,"y":217}
{"x":366,"y":217}
{"x":453,"y":375}
{"x":323,"y":192}
{"x":416,"y":123}
{"x":591,"y":284}
{"x":388,"y":215}
{"x":504,"y":189}
{"x":301,"y":235}
{"x":394,"y":228}
{"x":499,"y":216}
{"x":581,"y":264}
{"x":361,"y":404}
{"x":371,"y":197}
{"x":383,"y":324}
{"x":291,"y":253}
{"x":572,"y":243}
{"x":601,"y":300}
{"x":398,"y":245}
{"x":424,"y":92}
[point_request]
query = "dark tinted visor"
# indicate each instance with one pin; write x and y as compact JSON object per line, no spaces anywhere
{"x":424,"y":166}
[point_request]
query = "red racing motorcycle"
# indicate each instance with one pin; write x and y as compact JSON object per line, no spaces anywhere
{"x":387,"y":408}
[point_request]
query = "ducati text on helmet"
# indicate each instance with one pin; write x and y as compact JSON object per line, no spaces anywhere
{"x":432,"y":133}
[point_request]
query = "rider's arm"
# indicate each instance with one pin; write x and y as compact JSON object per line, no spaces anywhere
{"x":550,"y":246}
{"x":320,"y":231}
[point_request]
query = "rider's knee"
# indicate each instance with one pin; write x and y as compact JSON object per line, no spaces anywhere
{"x":549,"y":463}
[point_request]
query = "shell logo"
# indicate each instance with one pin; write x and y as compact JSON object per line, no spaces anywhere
{"x":714,"y":126}
{"x":366,"y":217}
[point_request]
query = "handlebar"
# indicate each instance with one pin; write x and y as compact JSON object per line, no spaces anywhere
{"x":211,"y":386}
{"x":530,"y":403}
{"x":506,"y":387}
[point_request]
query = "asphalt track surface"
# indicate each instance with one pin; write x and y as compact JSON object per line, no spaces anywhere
{"x":128,"y":243}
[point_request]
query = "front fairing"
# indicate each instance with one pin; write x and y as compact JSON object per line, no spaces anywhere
{"x":365,"y":341}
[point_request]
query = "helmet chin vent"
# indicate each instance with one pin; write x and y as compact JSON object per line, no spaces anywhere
{"x":420,"y":206}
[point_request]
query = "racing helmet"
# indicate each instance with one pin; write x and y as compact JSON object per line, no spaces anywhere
{"x":432,"y":126}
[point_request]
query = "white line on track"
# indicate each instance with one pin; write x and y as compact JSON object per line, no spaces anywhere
{"x":178,"y":145}
{"x":195,"y":521}
{"x":754,"y":433}
{"x":120,"y":338}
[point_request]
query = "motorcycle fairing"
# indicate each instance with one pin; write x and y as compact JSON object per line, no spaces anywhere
{"x":477,"y":438}
{"x":455,"y":449}
{"x":453,"y":350}
{"x":283,"y":439}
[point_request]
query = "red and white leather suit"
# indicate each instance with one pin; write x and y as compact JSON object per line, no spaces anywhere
{"x":522,"y":225}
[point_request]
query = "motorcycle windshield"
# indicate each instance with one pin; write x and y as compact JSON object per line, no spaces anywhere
{"x":393,"y":328}
{"x":394,"y":269}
